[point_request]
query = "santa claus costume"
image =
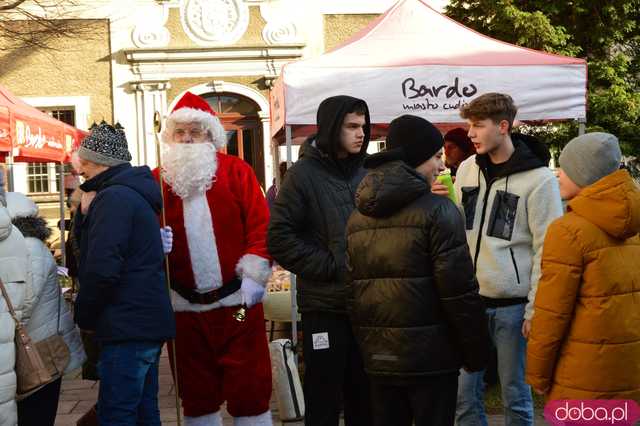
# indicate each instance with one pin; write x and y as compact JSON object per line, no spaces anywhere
{"x":218,"y":263}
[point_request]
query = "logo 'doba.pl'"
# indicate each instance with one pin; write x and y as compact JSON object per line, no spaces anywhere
{"x":592,"y":412}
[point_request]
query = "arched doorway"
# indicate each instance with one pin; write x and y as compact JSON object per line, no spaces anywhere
{"x":239,"y":116}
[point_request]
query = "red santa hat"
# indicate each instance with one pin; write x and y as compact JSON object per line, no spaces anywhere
{"x":194,"y":109}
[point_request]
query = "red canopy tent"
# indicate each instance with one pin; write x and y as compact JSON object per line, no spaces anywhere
{"x":30,"y":135}
{"x":5,"y":131}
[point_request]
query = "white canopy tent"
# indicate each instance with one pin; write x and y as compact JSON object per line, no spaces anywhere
{"x":414,"y":60}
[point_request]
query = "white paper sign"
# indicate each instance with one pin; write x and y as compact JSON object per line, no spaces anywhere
{"x":320,"y":341}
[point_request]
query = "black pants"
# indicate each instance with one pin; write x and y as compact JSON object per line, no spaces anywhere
{"x":333,"y":374}
{"x":429,"y":402}
{"x":40,"y":408}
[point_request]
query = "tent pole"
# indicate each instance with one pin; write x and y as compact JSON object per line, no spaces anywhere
{"x":276,"y":161}
{"x":294,"y":317}
{"x":287,"y":133}
{"x":10,"y":178}
{"x":63,"y":226}
{"x":294,"y":303}
{"x":582,"y":125}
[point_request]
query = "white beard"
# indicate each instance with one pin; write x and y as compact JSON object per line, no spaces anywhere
{"x":189,"y":169}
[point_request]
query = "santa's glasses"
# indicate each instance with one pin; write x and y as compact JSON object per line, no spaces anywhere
{"x":193,"y":133}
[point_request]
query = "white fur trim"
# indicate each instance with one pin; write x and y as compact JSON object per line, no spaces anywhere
{"x":263,"y":419}
{"x":210,"y":123}
{"x":202,"y":242}
{"x":255,"y":267}
{"x":213,"y":419}
{"x":182,"y":305}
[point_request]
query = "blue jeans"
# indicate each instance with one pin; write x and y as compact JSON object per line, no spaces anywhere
{"x":505,"y":330}
{"x":129,"y":384}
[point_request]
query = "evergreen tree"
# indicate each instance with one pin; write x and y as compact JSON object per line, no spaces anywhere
{"x":605,"y":32}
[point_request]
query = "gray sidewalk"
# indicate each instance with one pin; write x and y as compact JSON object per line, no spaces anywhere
{"x":78,"y":396}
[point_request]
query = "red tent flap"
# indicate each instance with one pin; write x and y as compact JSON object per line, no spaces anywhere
{"x":32,"y":134}
{"x":5,"y":130}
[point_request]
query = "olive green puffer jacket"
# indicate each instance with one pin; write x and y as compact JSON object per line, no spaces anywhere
{"x":414,"y":300}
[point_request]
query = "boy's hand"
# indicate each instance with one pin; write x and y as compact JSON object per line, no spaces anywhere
{"x":439,"y":189}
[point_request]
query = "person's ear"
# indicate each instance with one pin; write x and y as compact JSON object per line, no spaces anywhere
{"x":503,"y":127}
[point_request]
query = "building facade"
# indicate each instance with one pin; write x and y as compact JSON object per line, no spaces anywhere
{"x":140,"y":56}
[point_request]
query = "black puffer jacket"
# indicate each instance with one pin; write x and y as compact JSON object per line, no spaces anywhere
{"x":414,"y":299}
{"x":308,"y":218}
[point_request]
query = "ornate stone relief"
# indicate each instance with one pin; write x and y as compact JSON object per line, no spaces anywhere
{"x":214,"y":22}
{"x":280,"y":33}
{"x":144,"y":36}
{"x":152,"y":32}
{"x":281,"y":17}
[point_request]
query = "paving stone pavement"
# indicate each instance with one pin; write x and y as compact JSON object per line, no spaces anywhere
{"x":78,"y":396}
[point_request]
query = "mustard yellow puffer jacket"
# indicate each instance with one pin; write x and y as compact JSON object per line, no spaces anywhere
{"x":585,"y":336}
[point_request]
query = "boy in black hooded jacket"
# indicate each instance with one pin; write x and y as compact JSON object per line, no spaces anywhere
{"x":306,"y":236}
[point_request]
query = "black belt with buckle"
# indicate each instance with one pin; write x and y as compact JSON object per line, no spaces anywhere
{"x":213,"y":296}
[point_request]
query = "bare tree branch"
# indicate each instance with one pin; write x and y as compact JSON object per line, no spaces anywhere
{"x":10,"y":6}
{"x":39,"y":26}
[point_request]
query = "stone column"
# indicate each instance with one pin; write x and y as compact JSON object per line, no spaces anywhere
{"x":269,"y":167}
{"x":151,"y":96}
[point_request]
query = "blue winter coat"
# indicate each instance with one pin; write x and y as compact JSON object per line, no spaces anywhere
{"x":123,"y":294}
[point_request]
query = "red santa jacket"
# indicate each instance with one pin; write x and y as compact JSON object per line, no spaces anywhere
{"x":240,"y":218}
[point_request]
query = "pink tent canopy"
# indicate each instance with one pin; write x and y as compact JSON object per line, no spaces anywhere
{"x":414,"y":60}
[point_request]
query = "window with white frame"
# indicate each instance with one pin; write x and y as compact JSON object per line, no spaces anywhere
{"x":43,"y":178}
{"x":38,"y":177}
{"x":64,"y":114}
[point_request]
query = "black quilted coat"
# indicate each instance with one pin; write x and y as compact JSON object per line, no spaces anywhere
{"x":414,"y":300}
{"x":309,"y":216}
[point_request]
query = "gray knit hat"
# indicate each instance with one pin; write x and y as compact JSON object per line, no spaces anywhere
{"x":590,"y":157}
{"x":105,"y":145}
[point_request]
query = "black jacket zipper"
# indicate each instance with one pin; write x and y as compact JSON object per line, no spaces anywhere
{"x":515,"y":265}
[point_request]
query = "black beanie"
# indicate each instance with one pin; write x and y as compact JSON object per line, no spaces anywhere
{"x":411,"y":139}
{"x":459,"y":137}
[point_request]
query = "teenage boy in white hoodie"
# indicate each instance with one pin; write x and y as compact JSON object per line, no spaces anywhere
{"x":509,"y":197}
